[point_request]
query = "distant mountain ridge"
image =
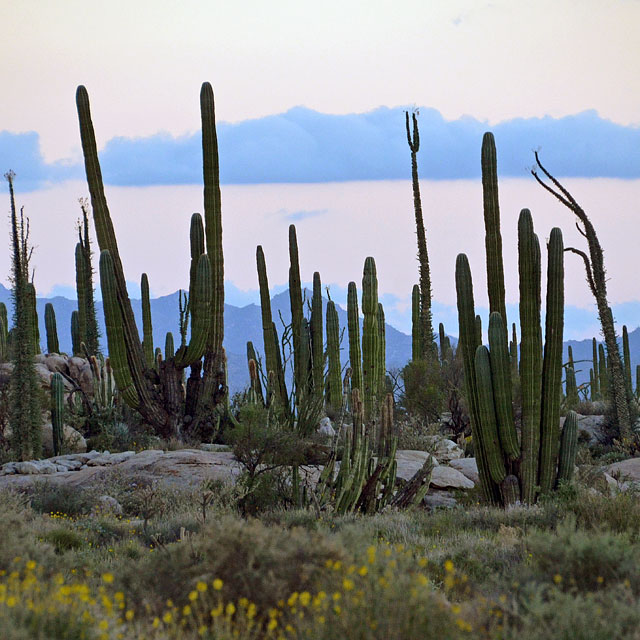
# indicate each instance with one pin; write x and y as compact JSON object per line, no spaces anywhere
{"x":245,"y":323}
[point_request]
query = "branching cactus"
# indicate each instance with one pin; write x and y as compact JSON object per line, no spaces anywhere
{"x":513,"y":469}
{"x":158,"y":394}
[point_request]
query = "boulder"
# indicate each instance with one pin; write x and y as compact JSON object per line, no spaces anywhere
{"x":445,"y":449}
{"x":44,"y":375}
{"x":410,"y":462}
{"x":437,"y":498}
{"x":326,"y":428}
{"x":80,"y":371}
{"x":107,"y":505}
{"x":467,"y":467}
{"x":591,"y":425}
{"x":74,"y":442}
{"x":449,"y":478}
{"x":56,"y":363}
{"x":627,"y":472}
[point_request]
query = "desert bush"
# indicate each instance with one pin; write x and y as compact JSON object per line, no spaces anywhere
{"x":424,"y":394}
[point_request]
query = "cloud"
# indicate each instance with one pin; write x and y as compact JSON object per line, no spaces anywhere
{"x":296,"y":216}
{"x":303,"y":145}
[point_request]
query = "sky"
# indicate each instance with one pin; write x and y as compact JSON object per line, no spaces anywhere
{"x":309,"y":101}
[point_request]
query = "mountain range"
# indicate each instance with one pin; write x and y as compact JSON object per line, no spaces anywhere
{"x":245,"y":323}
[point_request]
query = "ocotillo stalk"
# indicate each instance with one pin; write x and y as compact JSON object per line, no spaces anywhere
{"x":413,"y":139}
{"x":416,"y":330}
{"x":57,"y":412}
{"x":531,"y":353}
{"x":53,"y":345}
{"x":493,"y":237}
{"x":147,"y":329}
{"x":334,"y":378}
{"x":552,"y":363}
{"x":355,"y":354}
{"x":370,"y":339}
{"x":317,"y":337}
{"x":4,"y":333}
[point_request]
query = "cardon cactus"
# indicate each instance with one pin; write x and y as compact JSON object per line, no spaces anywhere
{"x":57,"y":412}
{"x":147,"y":328}
{"x":510,"y":471}
{"x":317,"y":337}
{"x":157,"y":394}
{"x":53,"y":346}
{"x":370,"y":339}
{"x":334,"y":377}
{"x":355,"y":353}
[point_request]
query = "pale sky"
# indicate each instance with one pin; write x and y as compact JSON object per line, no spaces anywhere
{"x":143,"y":63}
{"x":143,"y":60}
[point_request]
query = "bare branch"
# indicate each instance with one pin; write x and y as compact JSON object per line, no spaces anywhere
{"x":587,"y":266}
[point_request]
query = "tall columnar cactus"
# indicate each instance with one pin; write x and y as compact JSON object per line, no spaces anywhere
{"x":637,"y":380}
{"x":57,"y":412}
{"x":355,"y":352}
{"x":147,"y":328}
{"x":595,"y":387}
{"x":426,"y":326}
{"x":568,"y":448}
{"x":469,"y":341}
{"x":531,"y":350}
{"x":382,"y":353}
{"x":169,"y":347}
{"x":158,"y":395}
{"x":334,"y":378}
{"x":254,"y":374}
{"x":300,"y":373}
{"x":500,"y":378}
{"x":33,"y":322}
{"x":276,"y":389}
{"x":370,"y":339}
{"x":626,"y":358}
{"x":513,"y":351}
{"x":509,"y":471}
{"x":552,"y":362}
{"x":76,"y":340}
{"x":571,"y":387}
{"x":81,"y":291}
{"x":317,"y":337}
{"x":603,"y":373}
{"x":493,"y":237}
{"x":53,"y":346}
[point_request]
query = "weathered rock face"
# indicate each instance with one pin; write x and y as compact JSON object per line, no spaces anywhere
{"x":591,"y":425}
{"x":449,"y":478}
{"x":410,"y":462}
{"x":627,"y":472}
{"x":467,"y":467}
{"x":73,"y":440}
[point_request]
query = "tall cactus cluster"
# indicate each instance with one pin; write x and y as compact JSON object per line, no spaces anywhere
{"x":317,"y":367}
{"x":154,"y":386}
{"x":512,"y":468}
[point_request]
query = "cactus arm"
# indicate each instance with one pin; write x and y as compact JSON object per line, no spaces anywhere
{"x":531,"y":353}
{"x":552,"y":363}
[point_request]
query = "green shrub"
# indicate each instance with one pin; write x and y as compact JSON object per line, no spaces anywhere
{"x":424,"y":395}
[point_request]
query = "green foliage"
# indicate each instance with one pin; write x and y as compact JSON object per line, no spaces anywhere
{"x":25,"y":418}
{"x":424,"y":395}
